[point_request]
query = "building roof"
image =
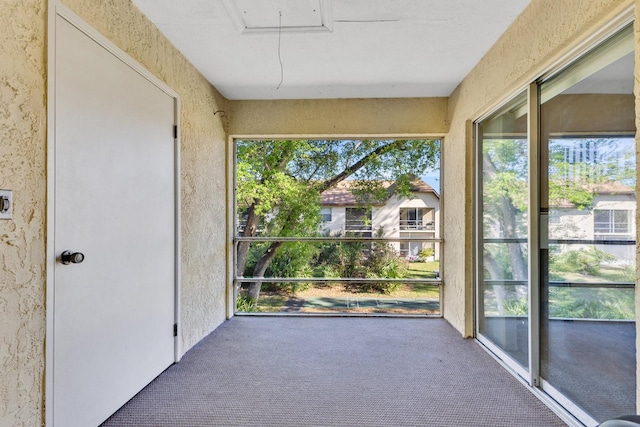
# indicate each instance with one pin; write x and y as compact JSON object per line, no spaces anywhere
{"x":603,"y":188}
{"x":612,"y":187}
{"x":342,"y":195}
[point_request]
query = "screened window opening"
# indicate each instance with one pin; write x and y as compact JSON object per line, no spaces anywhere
{"x":358,"y":220}
{"x":318,"y":226}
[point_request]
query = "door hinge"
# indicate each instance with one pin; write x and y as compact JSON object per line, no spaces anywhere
{"x":175,"y":131}
{"x":175,"y":329}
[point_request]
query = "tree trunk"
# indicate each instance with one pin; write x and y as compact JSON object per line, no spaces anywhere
{"x":243,"y":247}
{"x":253,"y":292}
{"x":252,"y":225}
{"x":519,"y":269}
{"x":517,"y":262}
{"x":495,"y":273}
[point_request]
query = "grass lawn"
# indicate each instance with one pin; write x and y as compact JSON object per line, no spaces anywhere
{"x":423,"y":270}
{"x":606,"y":274}
{"x":270,"y":302}
{"x":275,"y":301}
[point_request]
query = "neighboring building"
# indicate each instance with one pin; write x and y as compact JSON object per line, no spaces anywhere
{"x":612,"y":218}
{"x":417,"y":217}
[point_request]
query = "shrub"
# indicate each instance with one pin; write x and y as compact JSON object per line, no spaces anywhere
{"x":516,"y":307}
{"x":584,"y":261}
{"x":594,"y":303}
{"x":244,"y":304}
{"x":292,"y":260}
{"x":383,"y":262}
{"x":362,"y":260}
{"x":427,"y":252}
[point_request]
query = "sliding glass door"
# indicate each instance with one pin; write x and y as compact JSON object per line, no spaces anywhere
{"x":588,"y":160}
{"x":503,"y":283}
{"x":556,"y":245}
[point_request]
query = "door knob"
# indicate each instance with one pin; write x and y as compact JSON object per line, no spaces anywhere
{"x":68,"y":257}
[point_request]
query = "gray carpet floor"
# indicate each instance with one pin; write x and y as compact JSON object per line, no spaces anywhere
{"x":593,"y":363}
{"x":292,"y":371}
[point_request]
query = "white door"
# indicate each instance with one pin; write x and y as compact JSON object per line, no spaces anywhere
{"x":114,"y":203}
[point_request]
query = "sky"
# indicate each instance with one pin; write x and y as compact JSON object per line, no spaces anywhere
{"x":433,"y":179}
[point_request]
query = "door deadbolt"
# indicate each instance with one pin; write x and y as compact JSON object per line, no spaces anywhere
{"x":68,"y":257}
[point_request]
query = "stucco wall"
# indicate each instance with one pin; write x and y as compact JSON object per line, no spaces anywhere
{"x":340,"y":117}
{"x":22,"y":240}
{"x":540,"y":36}
{"x":22,"y":169}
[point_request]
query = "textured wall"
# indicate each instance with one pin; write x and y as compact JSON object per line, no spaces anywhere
{"x":543,"y":33}
{"x":22,"y":169}
{"x":22,"y":240}
{"x":340,"y":117}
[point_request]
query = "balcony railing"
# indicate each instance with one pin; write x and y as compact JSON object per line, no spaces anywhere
{"x":357,"y":225}
{"x":417,"y":224}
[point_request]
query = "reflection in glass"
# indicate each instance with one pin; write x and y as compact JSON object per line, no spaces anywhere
{"x":504,"y":269}
{"x":587,"y":294}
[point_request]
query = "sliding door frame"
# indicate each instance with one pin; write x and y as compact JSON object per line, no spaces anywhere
{"x":495,"y":350}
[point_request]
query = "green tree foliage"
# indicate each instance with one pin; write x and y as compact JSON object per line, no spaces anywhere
{"x":279,"y":182}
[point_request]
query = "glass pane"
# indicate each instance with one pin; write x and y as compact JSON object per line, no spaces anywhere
{"x":587,"y":294}
{"x":504,"y":288}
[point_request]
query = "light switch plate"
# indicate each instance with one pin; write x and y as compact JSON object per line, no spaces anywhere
{"x":6,"y":204}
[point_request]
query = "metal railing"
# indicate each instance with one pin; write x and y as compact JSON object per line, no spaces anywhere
{"x":435,"y":281}
{"x":357,"y":225}
{"x":417,"y":225}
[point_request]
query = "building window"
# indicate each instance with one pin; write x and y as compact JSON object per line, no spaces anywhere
{"x":416,"y":219}
{"x":611,"y":221}
{"x":357,"y":219}
{"x":411,"y":219}
{"x":325,"y":214}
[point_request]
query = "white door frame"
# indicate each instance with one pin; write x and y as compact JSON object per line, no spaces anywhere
{"x":57,"y":9}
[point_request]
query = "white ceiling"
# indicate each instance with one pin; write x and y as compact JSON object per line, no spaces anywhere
{"x":333,"y":48}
